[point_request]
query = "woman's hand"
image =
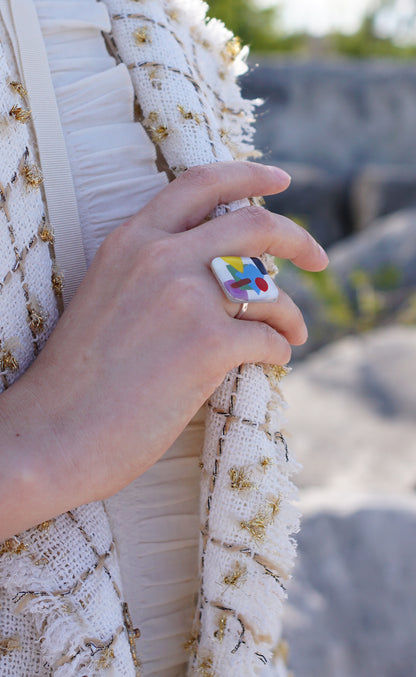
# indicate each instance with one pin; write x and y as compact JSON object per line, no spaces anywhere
{"x":145,"y":341}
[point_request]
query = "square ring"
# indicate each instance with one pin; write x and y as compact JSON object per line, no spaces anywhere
{"x":244,"y":279}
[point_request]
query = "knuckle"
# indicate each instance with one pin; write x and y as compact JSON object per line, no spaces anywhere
{"x":153,"y":257}
{"x":111,"y":246}
{"x":183,"y":294}
{"x":275,"y":344}
{"x":156,"y":251}
{"x":257,"y":216}
{"x":118,"y":241}
{"x":269,"y":336}
{"x":200,"y":176}
{"x":304,"y":240}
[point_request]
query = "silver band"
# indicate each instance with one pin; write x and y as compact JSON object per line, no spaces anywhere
{"x":243,"y":309}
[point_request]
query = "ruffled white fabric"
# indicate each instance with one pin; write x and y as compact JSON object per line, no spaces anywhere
{"x":111,"y":156}
{"x":155,"y":520}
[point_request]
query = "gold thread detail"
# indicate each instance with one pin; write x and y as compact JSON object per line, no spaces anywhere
{"x":9,"y":644}
{"x":222,"y":624}
{"x":258,"y":525}
{"x":12,"y":546}
{"x":32,"y":174}
{"x":158,"y":132}
{"x":190,"y":644}
{"x":232,"y":49}
{"x":45,"y":526}
{"x":141,"y":35}
{"x":8,"y":362}
{"x":237,"y":576}
{"x":20,"y":114}
{"x":132,"y":635}
{"x":18,"y":87}
{"x":239,"y":479}
{"x":204,"y":668}
{"x":46,"y":233}
{"x":57,"y":282}
{"x":266,"y":462}
{"x":37,"y":317}
{"x":276,"y":371}
{"x":188,"y":115}
{"x":282,"y":652}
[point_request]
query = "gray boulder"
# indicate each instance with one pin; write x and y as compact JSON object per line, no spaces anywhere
{"x":337,"y":115}
{"x":382,"y":189}
{"x":351,"y":610}
{"x":385,"y":251}
{"x":390,"y":240}
{"x":353,"y":413}
{"x":315,"y":198}
{"x":352,"y":601}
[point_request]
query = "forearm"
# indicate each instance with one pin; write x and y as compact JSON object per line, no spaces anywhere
{"x":31,"y":476}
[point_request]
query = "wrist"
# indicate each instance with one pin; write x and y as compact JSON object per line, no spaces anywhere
{"x":29,"y":482}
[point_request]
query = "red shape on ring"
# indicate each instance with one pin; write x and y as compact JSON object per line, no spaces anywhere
{"x":262,"y":284}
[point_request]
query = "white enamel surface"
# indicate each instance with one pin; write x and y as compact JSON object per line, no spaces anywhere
{"x":220,"y":268}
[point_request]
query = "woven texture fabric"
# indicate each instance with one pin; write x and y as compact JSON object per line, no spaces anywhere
{"x":184,"y":73}
{"x":62,"y":607}
{"x":28,"y":306}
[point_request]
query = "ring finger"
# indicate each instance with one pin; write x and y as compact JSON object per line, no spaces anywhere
{"x":283,"y":315}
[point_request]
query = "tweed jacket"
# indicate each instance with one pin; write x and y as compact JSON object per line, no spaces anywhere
{"x":62,"y":610}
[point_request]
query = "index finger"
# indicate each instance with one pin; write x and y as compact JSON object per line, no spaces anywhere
{"x":253,"y":230}
{"x":186,"y":201}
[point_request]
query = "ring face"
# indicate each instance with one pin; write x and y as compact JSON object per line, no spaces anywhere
{"x":244,"y":279}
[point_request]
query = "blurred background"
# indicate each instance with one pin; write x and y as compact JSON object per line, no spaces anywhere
{"x":338,"y":80}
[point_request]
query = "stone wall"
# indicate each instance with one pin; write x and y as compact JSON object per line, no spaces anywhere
{"x":346,"y":131}
{"x":338,"y":115}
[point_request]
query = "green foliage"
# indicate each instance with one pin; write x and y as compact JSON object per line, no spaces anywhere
{"x":387,"y":277}
{"x":254,"y":26}
{"x":366,"y":43}
{"x":261,"y":29}
{"x":336,"y":305}
{"x":366,"y":301}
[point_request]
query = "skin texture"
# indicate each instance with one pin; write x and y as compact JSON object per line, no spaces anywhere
{"x":145,"y":341}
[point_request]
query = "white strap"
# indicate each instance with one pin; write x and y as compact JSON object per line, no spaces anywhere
{"x":56,"y":170}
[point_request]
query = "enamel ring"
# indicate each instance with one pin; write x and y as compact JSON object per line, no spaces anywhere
{"x":244,"y":280}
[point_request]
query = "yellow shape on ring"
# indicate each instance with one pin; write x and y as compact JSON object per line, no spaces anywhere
{"x":234,"y":261}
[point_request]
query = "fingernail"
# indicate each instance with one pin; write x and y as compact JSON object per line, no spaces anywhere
{"x":323,"y":252}
{"x":281,"y":174}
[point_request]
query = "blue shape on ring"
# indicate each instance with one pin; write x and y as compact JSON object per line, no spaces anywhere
{"x":260,"y":265}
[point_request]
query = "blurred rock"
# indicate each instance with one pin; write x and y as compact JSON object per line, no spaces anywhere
{"x":379,"y":190}
{"x":316,"y":199}
{"x":386,"y":249}
{"x":352,"y":413}
{"x":337,"y":115}
{"x":352,"y":601}
{"x":389,"y":241}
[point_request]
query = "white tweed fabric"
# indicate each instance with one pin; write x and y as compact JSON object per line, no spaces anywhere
{"x":25,"y":260}
{"x":184,"y":73}
{"x":62,"y":609}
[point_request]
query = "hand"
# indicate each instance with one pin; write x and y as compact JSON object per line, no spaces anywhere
{"x":145,"y":341}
